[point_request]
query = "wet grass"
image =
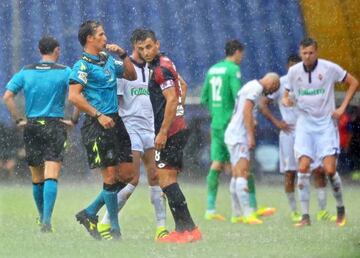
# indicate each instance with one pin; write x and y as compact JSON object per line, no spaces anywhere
{"x":20,"y":236}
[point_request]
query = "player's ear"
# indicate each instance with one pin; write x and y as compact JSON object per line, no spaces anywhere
{"x":157,"y":44}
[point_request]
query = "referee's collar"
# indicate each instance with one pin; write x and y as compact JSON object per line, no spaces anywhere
{"x":46,"y":62}
{"x":140,"y":65}
{"x":97,"y":57}
{"x":312,"y":68}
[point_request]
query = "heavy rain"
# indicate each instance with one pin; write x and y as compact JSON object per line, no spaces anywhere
{"x":275,"y":220}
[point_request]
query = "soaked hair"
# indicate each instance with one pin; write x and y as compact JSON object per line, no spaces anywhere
{"x":307,"y":42}
{"x":232,"y":45}
{"x":141,"y":34}
{"x":47,"y":45}
{"x":294,"y":58}
{"x":86,"y":29}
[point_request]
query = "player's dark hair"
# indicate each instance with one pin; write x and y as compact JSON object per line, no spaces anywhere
{"x":47,"y":45}
{"x":142,"y":34}
{"x":307,"y":42}
{"x":232,"y":45}
{"x":294,"y":58}
{"x":86,"y":29}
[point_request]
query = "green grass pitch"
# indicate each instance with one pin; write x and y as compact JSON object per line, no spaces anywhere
{"x":21,"y":237}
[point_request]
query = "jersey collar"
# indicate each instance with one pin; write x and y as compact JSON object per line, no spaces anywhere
{"x":140,"y":65}
{"x":312,"y":68}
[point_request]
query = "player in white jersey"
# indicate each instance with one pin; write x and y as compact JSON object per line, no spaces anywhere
{"x":136,"y":111}
{"x":316,"y":137}
{"x":288,"y":163}
{"x":240,"y":139}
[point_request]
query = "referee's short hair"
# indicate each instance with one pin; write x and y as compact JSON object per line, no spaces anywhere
{"x":47,"y":45}
{"x":307,"y":42}
{"x":141,"y":34}
{"x":86,"y":29}
{"x":232,"y":45}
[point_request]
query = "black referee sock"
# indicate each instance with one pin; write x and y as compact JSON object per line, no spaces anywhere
{"x":179,"y":208}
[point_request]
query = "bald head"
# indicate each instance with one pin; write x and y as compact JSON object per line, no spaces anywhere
{"x":270,"y":82}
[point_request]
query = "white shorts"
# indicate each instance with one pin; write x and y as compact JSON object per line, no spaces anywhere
{"x":238,"y":151}
{"x":142,"y":141}
{"x":316,"y":144}
{"x":286,"y":152}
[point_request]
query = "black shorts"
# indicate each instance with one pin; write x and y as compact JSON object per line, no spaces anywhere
{"x":44,"y":140}
{"x":171,"y":156}
{"x":106,"y":147}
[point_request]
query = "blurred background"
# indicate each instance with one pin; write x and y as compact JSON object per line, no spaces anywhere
{"x":193,"y":34}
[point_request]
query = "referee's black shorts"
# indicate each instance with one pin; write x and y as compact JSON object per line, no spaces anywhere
{"x":171,"y":157}
{"x":106,"y":147}
{"x":44,"y":139}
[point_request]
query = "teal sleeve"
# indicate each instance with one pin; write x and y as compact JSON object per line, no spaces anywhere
{"x":79,"y":73}
{"x":119,"y":68}
{"x":16,"y":83}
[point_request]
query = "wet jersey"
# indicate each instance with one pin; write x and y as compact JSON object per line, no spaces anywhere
{"x":97,"y":75}
{"x":162,"y":76}
{"x":236,"y":131}
{"x":222,"y":82}
{"x":314,"y":90}
{"x":135,"y":107}
{"x":288,"y":114}
{"x":45,"y":86}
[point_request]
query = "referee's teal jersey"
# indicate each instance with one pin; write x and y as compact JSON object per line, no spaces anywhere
{"x":45,"y":86}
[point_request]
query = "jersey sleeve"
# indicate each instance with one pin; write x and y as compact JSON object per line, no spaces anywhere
{"x":235,"y":82}
{"x":119,"y":68}
{"x":338,"y":72}
{"x":79,"y":73}
{"x":120,"y":86}
{"x":16,"y":83}
{"x":164,"y":78}
{"x":255,"y":93}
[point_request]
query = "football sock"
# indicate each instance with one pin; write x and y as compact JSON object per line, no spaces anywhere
{"x":235,"y":205}
{"x":179,"y":208}
{"x":292,"y":201}
{"x":252,"y":192}
{"x":321,"y":197}
{"x":157,"y":199}
{"x":96,"y":205}
{"x":304,"y":192}
{"x":243,"y":195}
{"x":212,"y":183}
{"x":50,"y":192}
{"x":336,"y":186}
{"x":110,"y":199}
{"x":123,"y":195}
{"x":38,"y":194}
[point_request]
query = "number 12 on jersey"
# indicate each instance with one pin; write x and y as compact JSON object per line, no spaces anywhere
{"x":216,"y":84}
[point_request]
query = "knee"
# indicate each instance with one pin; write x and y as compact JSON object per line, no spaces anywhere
{"x":216,"y":165}
{"x":304,"y":168}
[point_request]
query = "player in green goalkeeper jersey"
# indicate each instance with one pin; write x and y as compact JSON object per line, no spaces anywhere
{"x":223,"y":81}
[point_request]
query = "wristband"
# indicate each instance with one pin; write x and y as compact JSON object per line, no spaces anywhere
{"x":97,"y":114}
{"x":123,"y":55}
